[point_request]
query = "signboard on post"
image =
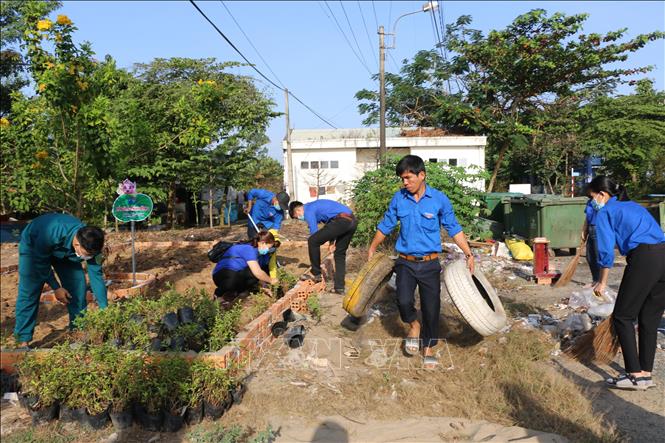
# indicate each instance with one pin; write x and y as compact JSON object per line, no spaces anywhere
{"x":132,"y":207}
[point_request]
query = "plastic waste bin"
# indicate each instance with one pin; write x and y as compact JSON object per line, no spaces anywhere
{"x":230,"y":213}
{"x":559,"y":219}
{"x":498,"y":205}
{"x":658,"y":212}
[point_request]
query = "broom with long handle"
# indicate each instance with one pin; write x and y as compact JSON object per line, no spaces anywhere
{"x":571,"y":267}
{"x":599,"y":344}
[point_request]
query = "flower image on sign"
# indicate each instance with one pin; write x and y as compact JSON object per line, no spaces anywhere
{"x":132,"y":207}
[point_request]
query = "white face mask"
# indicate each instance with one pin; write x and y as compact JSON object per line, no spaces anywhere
{"x":83,"y":257}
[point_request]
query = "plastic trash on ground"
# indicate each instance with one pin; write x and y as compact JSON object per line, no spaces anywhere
{"x":597,"y":306}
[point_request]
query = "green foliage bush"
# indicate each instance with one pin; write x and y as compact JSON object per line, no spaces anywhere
{"x":372,"y":193}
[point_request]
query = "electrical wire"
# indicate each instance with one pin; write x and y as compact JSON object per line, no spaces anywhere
{"x":369,"y":40}
{"x":251,"y":44}
{"x":251,"y":65}
{"x":348,"y":42}
{"x":353,"y":34}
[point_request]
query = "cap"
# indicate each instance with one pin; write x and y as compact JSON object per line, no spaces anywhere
{"x":283,"y":200}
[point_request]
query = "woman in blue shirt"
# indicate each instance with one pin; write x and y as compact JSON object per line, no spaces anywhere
{"x":239,"y":270}
{"x":642,"y":291}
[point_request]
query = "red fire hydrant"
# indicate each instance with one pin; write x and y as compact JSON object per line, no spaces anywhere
{"x":541,"y":262}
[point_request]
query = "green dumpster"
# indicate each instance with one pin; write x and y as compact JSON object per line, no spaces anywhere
{"x":559,"y":219}
{"x":498,"y":205}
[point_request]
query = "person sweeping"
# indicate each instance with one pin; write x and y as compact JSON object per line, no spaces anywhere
{"x":266,"y":209}
{"x":641,"y":294}
{"x":59,"y":242}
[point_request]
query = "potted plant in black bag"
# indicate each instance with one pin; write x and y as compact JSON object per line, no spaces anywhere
{"x":216,"y":391}
{"x":148,"y":411}
{"x":95,"y":386}
{"x":38,"y":397}
{"x":197,"y":380}
{"x":175,"y":373}
{"x":125,"y":372}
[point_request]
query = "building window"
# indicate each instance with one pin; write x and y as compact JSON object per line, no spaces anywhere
{"x":334,"y":164}
{"x":432,"y":160}
{"x":463,"y":162}
{"x":314,"y":165}
{"x":324,"y":164}
{"x":322,"y":190}
{"x":330,"y":189}
{"x":452,"y":161}
{"x":312,"y":191}
{"x":304,"y":165}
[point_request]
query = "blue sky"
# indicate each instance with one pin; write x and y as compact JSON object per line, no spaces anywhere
{"x":305,"y":49}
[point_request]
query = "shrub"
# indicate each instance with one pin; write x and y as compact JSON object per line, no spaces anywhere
{"x":314,"y":306}
{"x":224,"y":328}
{"x":372,"y":193}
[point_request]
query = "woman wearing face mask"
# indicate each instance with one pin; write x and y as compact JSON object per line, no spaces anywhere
{"x":239,"y":270}
{"x":268,"y":262}
{"x":641,"y":294}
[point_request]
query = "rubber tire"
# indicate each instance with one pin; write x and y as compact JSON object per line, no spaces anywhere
{"x":470,"y":302}
{"x":365,"y":287}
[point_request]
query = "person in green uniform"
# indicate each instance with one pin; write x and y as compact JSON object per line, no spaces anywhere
{"x":59,"y":242}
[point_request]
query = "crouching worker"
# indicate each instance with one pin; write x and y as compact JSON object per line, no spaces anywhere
{"x":266,"y":209}
{"x":59,"y":242}
{"x":340,"y":225}
{"x":239,"y":271}
{"x":268,"y":262}
{"x":420,"y":211}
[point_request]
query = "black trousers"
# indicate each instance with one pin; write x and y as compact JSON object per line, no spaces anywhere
{"x":592,"y":253}
{"x":251,"y":232}
{"x":642,"y":297}
{"x":228,"y":281}
{"x":340,"y":230}
{"x":426,"y":275}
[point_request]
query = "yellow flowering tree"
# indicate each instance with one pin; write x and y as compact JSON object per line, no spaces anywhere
{"x":59,"y":141}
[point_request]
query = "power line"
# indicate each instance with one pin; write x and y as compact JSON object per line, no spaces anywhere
{"x":251,"y":65}
{"x":435,"y":24}
{"x":376,"y":20}
{"x":251,"y":44}
{"x":353,"y":34}
{"x":369,"y":40}
{"x":344,"y":35}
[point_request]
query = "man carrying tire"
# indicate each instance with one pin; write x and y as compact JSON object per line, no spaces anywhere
{"x":420,"y":210}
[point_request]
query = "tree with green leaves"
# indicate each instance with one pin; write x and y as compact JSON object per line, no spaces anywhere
{"x":628,"y":133}
{"x":505,"y":79}
{"x":197,"y":123}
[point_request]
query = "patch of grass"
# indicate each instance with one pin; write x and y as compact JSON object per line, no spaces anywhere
{"x":52,"y":433}
{"x":217,"y":433}
{"x":314,"y":306}
{"x":259,"y":302}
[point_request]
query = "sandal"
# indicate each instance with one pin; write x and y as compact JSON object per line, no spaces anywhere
{"x":430,"y":362}
{"x":629,"y":382}
{"x":412,"y":345}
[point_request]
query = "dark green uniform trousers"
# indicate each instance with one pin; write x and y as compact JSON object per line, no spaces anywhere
{"x":32,"y":274}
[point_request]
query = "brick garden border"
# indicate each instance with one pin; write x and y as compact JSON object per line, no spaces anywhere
{"x":251,"y":341}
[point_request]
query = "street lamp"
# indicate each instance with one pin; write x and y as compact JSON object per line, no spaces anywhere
{"x":429,"y":6}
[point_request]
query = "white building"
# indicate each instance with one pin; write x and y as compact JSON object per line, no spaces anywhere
{"x":326,"y":161}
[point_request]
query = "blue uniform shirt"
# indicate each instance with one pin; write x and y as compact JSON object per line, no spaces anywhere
{"x":590,"y":213}
{"x":322,"y":211}
{"x":263,"y":211}
{"x":627,"y":225}
{"x":236,"y":257}
{"x":420,"y":221}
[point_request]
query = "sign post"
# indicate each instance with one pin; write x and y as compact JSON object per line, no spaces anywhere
{"x":132,"y":208}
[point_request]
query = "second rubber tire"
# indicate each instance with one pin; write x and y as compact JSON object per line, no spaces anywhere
{"x":475,"y":298}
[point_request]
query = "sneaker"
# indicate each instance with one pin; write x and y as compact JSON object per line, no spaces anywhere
{"x":339,"y":291}
{"x":312,"y":277}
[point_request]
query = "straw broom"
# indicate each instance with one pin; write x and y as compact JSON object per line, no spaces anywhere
{"x":599,"y":344}
{"x":568,"y":273}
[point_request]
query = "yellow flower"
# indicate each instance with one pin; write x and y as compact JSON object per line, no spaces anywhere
{"x":49,"y":65}
{"x":44,"y":25}
{"x":72,"y":70}
{"x":42,"y":87}
{"x":63,"y":20}
{"x":82,"y":85}
{"x":211,"y":82}
{"x":4,"y":122}
{"x":41,"y":155}
{"x":200,"y":82}
{"x":74,"y":109}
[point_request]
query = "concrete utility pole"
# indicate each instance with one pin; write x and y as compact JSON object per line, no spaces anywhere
{"x":382,"y":97}
{"x":289,"y":158}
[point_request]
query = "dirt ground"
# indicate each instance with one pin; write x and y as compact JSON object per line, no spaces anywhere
{"x":356,"y":384}
{"x":182,"y":267}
